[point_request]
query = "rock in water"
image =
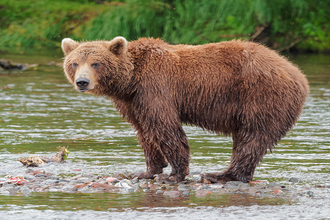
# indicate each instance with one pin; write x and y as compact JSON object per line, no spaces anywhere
{"x":293,"y":180}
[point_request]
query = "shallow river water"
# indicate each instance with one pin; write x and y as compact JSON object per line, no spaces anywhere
{"x":39,"y":111}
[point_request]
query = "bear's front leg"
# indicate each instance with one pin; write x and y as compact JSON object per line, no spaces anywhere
{"x":174,"y":145}
{"x":163,"y":140}
{"x":160,"y":132}
{"x":168,"y":146}
{"x":155,"y":160}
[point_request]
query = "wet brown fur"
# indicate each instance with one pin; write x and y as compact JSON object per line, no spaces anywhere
{"x":234,"y":88}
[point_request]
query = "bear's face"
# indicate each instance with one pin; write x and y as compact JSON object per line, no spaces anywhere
{"x":97,"y":67}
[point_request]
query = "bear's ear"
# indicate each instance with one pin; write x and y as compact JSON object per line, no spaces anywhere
{"x":68,"y":45}
{"x":118,"y":45}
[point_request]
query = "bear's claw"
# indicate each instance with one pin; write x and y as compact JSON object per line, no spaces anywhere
{"x":143,"y":175}
{"x":219,"y":177}
{"x":167,"y":179}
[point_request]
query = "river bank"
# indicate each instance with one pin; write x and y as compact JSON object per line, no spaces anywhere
{"x":298,"y":25}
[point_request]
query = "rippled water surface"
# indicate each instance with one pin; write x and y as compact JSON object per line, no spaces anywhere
{"x":39,"y":111}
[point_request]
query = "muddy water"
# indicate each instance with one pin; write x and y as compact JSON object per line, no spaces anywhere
{"x":39,"y":111}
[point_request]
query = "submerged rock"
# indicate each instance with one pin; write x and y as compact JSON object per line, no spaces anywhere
{"x":69,"y":188}
{"x":120,"y":175}
{"x":185,"y":193}
{"x":26,"y":191}
{"x":310,"y":194}
{"x":41,"y":175}
{"x":236,"y":185}
{"x":202,"y":193}
{"x":124,"y":184}
{"x":172,"y":194}
{"x":29,"y":177}
{"x":293,"y":180}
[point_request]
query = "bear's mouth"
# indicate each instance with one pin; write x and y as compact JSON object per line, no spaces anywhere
{"x":82,"y":90}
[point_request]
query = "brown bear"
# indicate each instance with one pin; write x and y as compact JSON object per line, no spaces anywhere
{"x":233,"y":88}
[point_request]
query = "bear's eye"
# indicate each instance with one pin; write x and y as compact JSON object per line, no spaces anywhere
{"x":75,"y":65}
{"x":96,"y":65}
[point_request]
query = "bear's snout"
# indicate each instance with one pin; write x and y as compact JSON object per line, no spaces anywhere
{"x":82,"y":84}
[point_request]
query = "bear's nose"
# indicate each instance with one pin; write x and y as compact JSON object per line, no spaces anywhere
{"x":82,"y":82}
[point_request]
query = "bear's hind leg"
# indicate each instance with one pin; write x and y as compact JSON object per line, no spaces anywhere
{"x":248,"y":151}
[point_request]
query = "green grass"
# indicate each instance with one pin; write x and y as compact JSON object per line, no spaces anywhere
{"x":43,"y":23}
{"x":38,"y":23}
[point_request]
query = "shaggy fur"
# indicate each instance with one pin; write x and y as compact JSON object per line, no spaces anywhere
{"x":234,"y":88}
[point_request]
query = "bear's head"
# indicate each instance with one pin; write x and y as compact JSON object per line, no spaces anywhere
{"x":98,"y":67}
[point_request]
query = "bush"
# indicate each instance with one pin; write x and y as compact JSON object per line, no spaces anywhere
{"x":278,"y":23}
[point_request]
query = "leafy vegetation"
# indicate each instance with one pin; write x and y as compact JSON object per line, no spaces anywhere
{"x":37,"y":23}
{"x":280,"y":24}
